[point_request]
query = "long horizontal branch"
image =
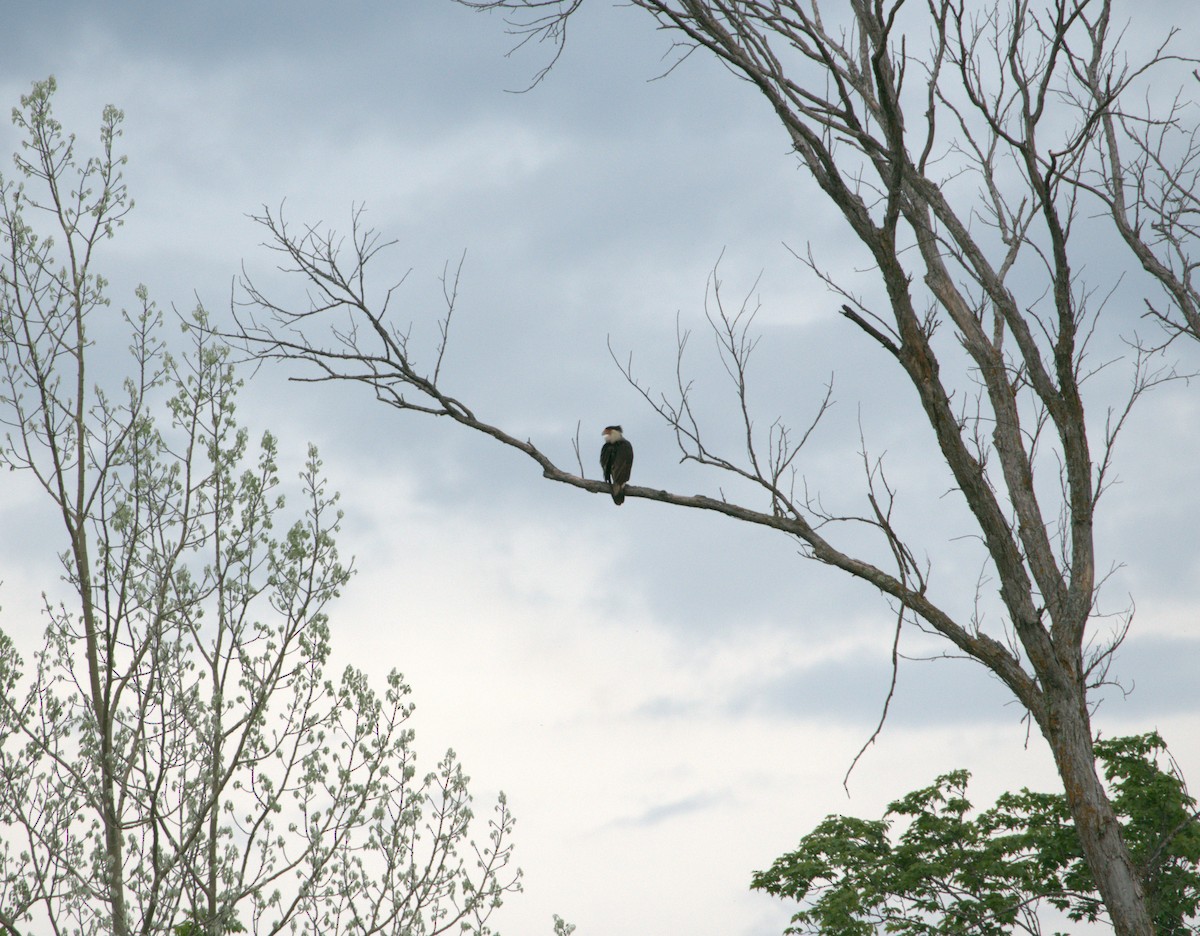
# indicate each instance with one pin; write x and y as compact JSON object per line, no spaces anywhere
{"x":987,"y":650}
{"x":390,"y":372}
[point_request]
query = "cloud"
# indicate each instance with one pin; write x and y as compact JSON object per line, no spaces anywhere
{"x":850,"y":690}
{"x":1156,"y":679}
{"x":674,"y":809}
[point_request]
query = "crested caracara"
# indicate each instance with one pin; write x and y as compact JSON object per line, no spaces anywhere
{"x":616,"y":459}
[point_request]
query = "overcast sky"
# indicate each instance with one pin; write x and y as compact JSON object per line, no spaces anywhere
{"x":670,"y":700}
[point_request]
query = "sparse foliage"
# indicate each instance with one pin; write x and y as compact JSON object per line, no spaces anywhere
{"x":176,"y":757}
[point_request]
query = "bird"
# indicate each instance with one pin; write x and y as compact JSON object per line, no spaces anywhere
{"x":616,"y":460}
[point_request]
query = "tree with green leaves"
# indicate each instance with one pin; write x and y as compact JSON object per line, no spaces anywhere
{"x":176,"y":756}
{"x":930,"y":868}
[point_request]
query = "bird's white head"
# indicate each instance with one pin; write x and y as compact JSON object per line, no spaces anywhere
{"x":612,"y":434}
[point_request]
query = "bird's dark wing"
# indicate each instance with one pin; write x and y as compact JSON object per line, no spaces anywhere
{"x":620,"y":463}
{"x":607,"y":453}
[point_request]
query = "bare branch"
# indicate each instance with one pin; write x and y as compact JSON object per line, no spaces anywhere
{"x":887,"y":704}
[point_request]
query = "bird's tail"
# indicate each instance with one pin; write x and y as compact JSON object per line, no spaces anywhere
{"x":618,"y":494}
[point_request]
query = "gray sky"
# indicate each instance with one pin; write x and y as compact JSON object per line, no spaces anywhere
{"x":670,"y":700}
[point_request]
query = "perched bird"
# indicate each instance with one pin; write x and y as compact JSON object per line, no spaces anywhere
{"x":616,"y":459}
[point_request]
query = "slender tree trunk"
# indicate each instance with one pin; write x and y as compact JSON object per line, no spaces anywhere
{"x":99,"y":662}
{"x":113,"y":845}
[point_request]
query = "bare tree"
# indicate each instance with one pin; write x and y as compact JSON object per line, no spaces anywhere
{"x":961,"y":144}
{"x":1147,"y":174}
{"x":178,"y":759}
